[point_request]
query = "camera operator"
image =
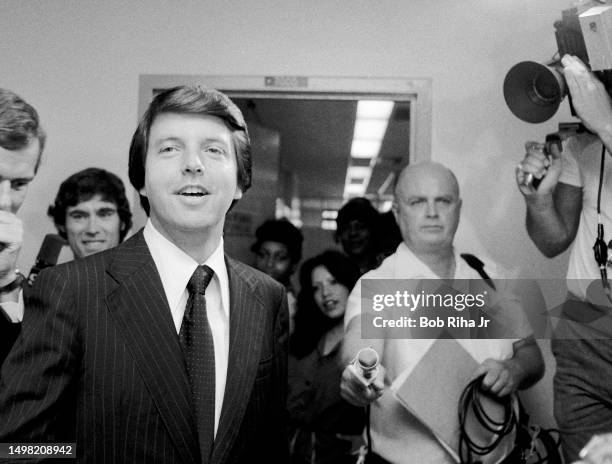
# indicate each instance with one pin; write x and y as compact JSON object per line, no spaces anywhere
{"x":21,"y":145}
{"x":562,"y":211}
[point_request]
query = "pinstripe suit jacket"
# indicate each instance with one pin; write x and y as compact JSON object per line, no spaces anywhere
{"x":8,"y":334}
{"x":98,"y":362}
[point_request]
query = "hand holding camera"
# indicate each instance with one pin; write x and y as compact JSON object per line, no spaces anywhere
{"x":590,"y":98}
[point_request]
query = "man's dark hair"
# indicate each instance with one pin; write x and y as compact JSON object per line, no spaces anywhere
{"x":19,"y":124}
{"x":195,"y":100}
{"x":281,"y":231}
{"x":359,"y":209}
{"x":83,"y":186}
{"x":310,"y":322}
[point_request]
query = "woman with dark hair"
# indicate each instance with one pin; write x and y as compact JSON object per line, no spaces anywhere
{"x":366,"y":236}
{"x":322,"y":423}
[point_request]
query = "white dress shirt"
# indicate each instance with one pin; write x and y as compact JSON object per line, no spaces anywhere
{"x":14,"y":309}
{"x":175,"y":269}
{"x":397,"y":435}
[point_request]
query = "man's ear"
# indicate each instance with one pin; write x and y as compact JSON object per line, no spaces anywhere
{"x":61,"y":229}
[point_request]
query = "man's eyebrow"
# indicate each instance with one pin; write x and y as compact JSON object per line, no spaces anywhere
{"x":106,"y":209}
{"x":19,"y":179}
{"x":169,"y":138}
{"x":214,"y":138}
{"x":78,"y":211}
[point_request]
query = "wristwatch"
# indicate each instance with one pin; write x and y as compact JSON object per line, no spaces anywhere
{"x":20,"y":279}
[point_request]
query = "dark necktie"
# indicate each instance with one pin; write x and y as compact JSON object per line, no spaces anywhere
{"x":199,"y":351}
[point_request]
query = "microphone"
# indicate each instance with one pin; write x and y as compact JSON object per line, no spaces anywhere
{"x":365,"y":364}
{"x":566,"y":130}
{"x":47,"y":255}
{"x":551,"y":139}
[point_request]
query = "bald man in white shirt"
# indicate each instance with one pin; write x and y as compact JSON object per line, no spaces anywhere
{"x":427,"y":207}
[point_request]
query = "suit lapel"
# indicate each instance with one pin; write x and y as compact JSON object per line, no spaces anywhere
{"x":246,"y":334}
{"x":139,"y":305}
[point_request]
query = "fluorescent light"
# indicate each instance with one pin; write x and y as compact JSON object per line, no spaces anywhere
{"x":379,"y":109}
{"x":370,"y":129}
{"x":328,"y":224}
{"x":365,"y":148}
{"x":353,"y":172}
{"x":329,"y":214}
{"x":354,"y":190}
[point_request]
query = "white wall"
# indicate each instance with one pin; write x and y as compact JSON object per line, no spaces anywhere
{"x":78,"y":63}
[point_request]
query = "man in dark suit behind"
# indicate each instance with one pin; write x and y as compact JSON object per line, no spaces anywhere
{"x":22,"y":140}
{"x":114,"y":354}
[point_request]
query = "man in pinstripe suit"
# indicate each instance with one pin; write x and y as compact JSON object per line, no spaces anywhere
{"x":100,"y":361}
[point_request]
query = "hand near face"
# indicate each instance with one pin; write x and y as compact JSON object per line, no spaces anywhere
{"x":11,"y":239}
{"x":17,"y":169}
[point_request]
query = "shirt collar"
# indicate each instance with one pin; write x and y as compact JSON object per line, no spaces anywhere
{"x":409,"y":263}
{"x":176,"y":267}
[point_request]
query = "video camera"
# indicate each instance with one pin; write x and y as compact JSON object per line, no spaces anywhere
{"x":534,"y":91}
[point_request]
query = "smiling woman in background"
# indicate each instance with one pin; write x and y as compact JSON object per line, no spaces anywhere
{"x":91,"y":211}
{"x":321,"y":422}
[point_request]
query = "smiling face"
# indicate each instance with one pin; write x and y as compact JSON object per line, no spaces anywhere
{"x":92,"y":226}
{"x":190,"y":175}
{"x":329,"y":294}
{"x":427,"y":207}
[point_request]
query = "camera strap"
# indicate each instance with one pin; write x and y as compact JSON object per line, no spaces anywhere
{"x":478,"y":266}
{"x":600,"y":248}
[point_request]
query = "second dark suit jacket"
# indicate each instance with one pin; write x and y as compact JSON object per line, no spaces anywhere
{"x":98,"y":361}
{"x":8,"y":334}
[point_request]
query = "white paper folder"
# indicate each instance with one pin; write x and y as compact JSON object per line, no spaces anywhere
{"x":431,"y":390}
